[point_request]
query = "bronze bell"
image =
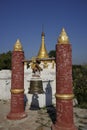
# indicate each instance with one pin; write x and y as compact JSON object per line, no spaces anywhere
{"x":36,"y":86}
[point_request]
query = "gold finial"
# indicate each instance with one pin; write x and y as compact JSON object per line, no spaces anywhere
{"x":18,"y":46}
{"x":63,"y":38}
{"x":42,"y":51}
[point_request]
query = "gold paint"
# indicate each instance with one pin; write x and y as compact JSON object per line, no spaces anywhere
{"x":33,"y":59}
{"x":35,"y":66}
{"x":45,"y":65}
{"x":18,"y":46}
{"x":17,"y":91}
{"x":63,"y":38}
{"x":65,"y":96}
{"x":53,"y":63}
{"x":42,"y":51}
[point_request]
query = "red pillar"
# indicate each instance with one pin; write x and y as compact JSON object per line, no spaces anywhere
{"x":64,"y":92}
{"x":17,"y":84}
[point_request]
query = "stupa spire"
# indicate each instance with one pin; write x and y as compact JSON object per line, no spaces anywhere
{"x":42,"y":51}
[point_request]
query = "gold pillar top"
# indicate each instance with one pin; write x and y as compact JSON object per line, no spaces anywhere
{"x":63,"y":38}
{"x":42,"y":51}
{"x":18,"y":46}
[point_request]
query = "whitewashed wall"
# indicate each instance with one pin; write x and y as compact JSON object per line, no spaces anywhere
{"x":48,"y":74}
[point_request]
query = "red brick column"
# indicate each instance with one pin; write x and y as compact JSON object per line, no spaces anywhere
{"x":64,"y":92}
{"x":17,"y":84}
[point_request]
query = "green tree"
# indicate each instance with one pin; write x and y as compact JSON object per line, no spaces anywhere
{"x":52,"y":53}
{"x":80,"y":84}
{"x":5,"y":60}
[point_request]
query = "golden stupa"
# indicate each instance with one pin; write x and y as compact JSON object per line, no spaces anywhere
{"x":42,"y":54}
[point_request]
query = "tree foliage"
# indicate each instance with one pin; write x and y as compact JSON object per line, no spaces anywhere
{"x":52,"y":53}
{"x":80,"y":84}
{"x":5,"y":60}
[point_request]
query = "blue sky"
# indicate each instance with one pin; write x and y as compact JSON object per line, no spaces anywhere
{"x":23,"y":19}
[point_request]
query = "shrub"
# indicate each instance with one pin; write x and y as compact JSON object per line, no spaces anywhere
{"x":80,"y":84}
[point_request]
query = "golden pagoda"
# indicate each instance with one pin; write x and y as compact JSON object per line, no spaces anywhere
{"x":42,"y":54}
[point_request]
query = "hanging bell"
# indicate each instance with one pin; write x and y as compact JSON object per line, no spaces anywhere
{"x":36,"y":86}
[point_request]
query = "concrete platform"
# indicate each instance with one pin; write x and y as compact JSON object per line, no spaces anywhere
{"x":37,"y":119}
